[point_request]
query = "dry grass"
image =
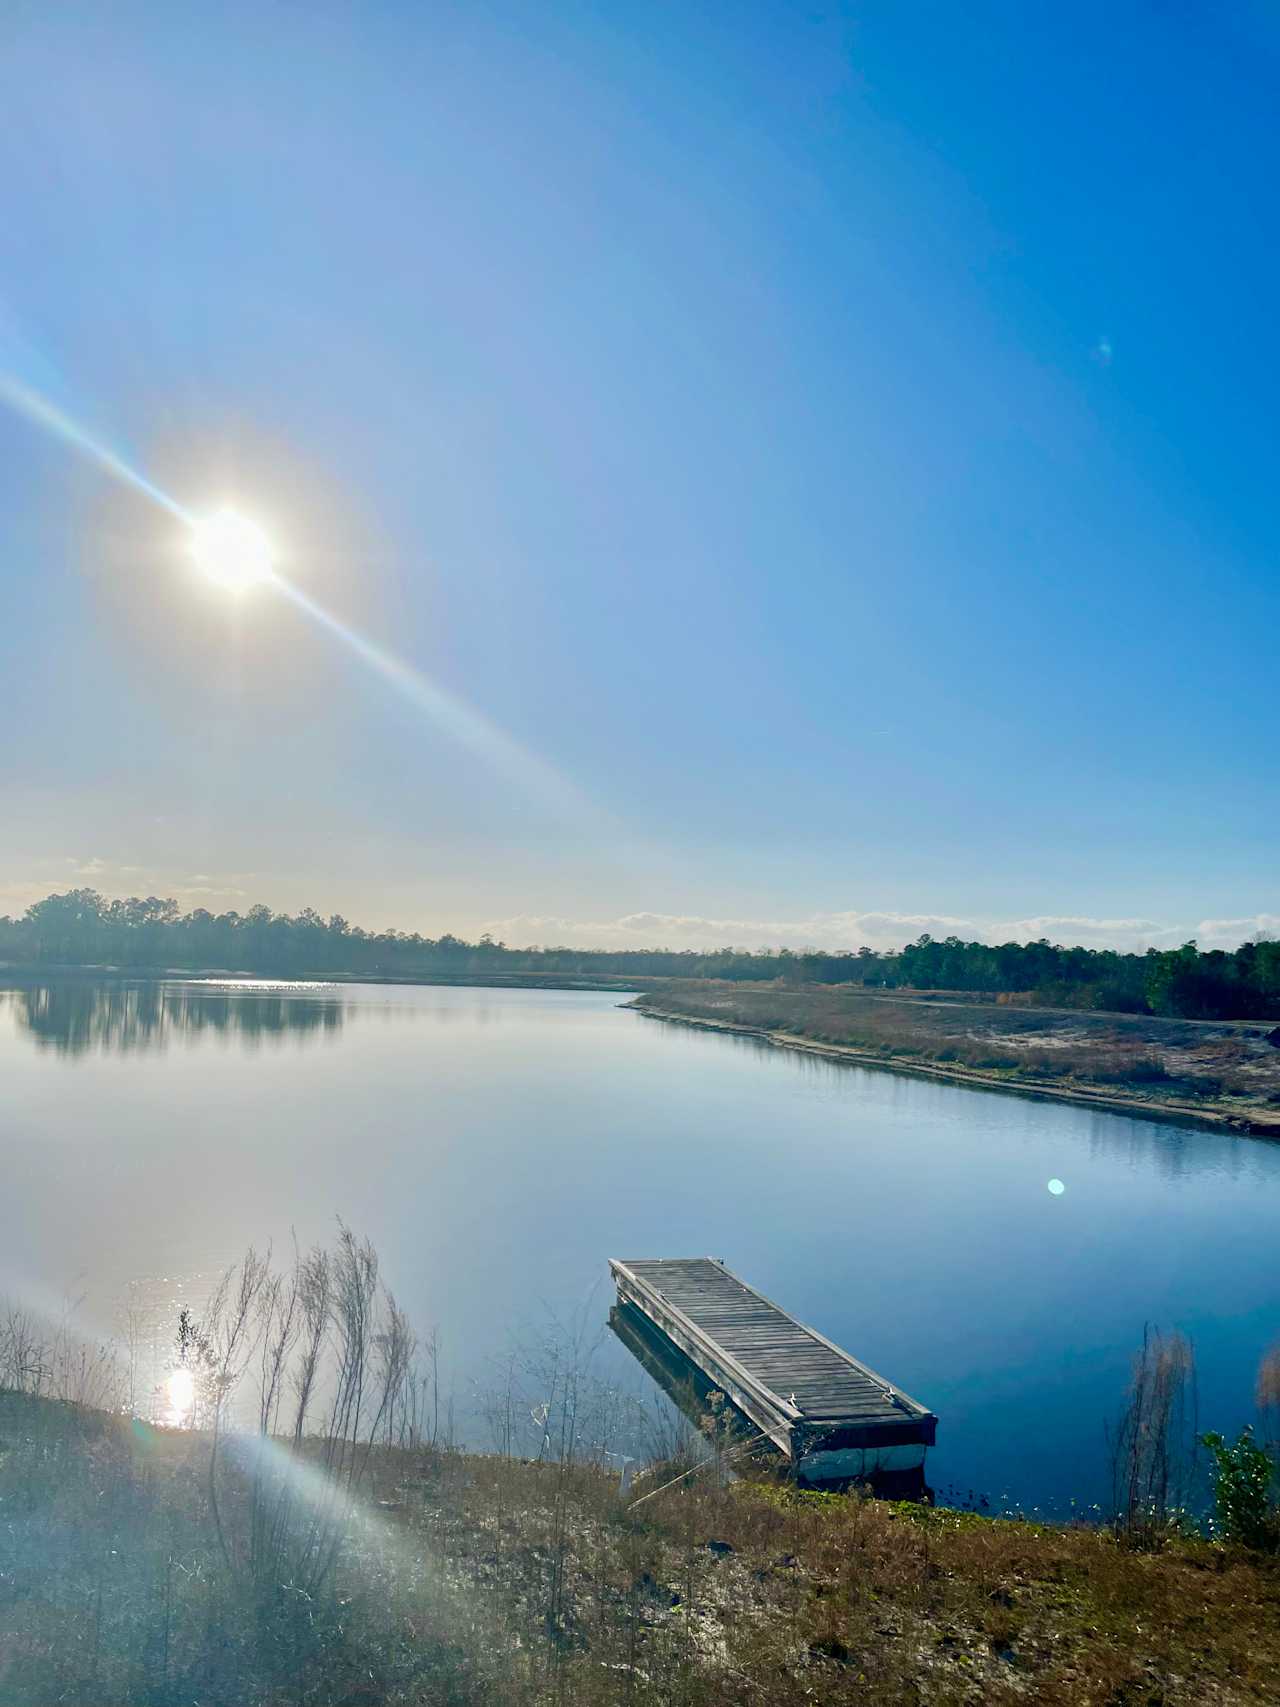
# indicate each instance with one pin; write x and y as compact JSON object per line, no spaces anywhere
{"x":490,"y":1579}
{"x":1227,"y":1069}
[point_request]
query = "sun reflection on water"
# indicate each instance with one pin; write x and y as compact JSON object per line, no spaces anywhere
{"x":180,"y":1391}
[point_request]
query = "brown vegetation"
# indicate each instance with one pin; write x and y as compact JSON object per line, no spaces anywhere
{"x":1223,"y":1072}
{"x":1153,"y":1444}
{"x":487,"y":1580}
{"x":245,"y":1559}
{"x":1267,"y":1395}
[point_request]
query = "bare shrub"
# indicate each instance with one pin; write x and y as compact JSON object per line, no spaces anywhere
{"x":85,"y":1371}
{"x":25,"y":1353}
{"x":1153,"y":1444}
{"x":1267,"y":1396}
{"x":54,"y":1360}
{"x":415,"y":1420}
{"x":671,"y":1442}
{"x":326,"y":1343}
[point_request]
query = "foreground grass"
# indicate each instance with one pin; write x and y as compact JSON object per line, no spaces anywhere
{"x":480,"y":1579}
{"x":1224,"y":1073}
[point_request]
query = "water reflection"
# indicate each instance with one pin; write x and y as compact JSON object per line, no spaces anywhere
{"x":1175,"y":1149}
{"x":74,"y":1018}
{"x":499,"y":1145}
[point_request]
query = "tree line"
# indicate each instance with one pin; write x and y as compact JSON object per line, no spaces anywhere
{"x":83,"y":928}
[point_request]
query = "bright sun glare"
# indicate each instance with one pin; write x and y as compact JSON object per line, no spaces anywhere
{"x":180,"y":1389}
{"x":231,"y":550}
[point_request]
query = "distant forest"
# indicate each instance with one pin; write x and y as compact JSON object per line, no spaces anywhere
{"x":82,"y":928}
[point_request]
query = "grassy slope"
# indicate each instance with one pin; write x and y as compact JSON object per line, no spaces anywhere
{"x":478,"y":1580}
{"x":1222,"y":1074}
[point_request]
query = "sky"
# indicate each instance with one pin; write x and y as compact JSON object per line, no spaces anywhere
{"x":793,"y":474}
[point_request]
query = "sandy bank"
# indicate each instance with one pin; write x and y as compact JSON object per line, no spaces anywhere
{"x":1199,"y":1111}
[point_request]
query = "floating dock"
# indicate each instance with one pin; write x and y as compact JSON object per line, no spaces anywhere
{"x":698,"y":1329}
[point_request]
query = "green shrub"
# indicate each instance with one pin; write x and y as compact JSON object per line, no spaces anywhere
{"x":1203,"y":1084}
{"x":1242,"y":1498}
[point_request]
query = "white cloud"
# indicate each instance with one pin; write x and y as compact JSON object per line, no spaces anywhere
{"x":849,"y":929}
{"x":112,"y":880}
{"x":88,"y":867}
{"x":1075,"y":928}
{"x":1228,"y":933}
{"x":855,"y":929}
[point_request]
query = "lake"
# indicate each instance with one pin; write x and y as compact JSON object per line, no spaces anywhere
{"x":499,"y":1145}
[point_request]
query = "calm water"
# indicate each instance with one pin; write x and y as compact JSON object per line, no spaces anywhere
{"x":499,"y":1145}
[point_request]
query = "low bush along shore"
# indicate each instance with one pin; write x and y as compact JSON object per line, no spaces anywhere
{"x":1225,"y":1073}
{"x":124,"y":1577}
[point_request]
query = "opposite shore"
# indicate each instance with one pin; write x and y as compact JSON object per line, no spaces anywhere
{"x":1223,"y":1075}
{"x":1218,"y":1074}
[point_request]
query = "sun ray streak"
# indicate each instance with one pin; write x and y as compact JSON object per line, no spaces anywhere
{"x":458,"y":719}
{"x":462,"y":721}
{"x":26,"y":402}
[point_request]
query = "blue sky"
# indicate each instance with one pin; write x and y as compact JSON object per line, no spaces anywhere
{"x":835,"y":447}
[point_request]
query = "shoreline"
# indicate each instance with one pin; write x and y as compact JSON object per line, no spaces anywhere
{"x":1110,"y":1101}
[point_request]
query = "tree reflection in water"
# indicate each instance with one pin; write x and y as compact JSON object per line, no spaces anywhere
{"x":78,"y":1017}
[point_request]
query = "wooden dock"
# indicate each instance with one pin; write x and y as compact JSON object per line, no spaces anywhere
{"x":835,"y":1419}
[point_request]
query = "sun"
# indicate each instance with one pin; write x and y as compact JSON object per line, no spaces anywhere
{"x":232,"y":551}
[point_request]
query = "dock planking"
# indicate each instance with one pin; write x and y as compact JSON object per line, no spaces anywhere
{"x":836,"y":1419}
